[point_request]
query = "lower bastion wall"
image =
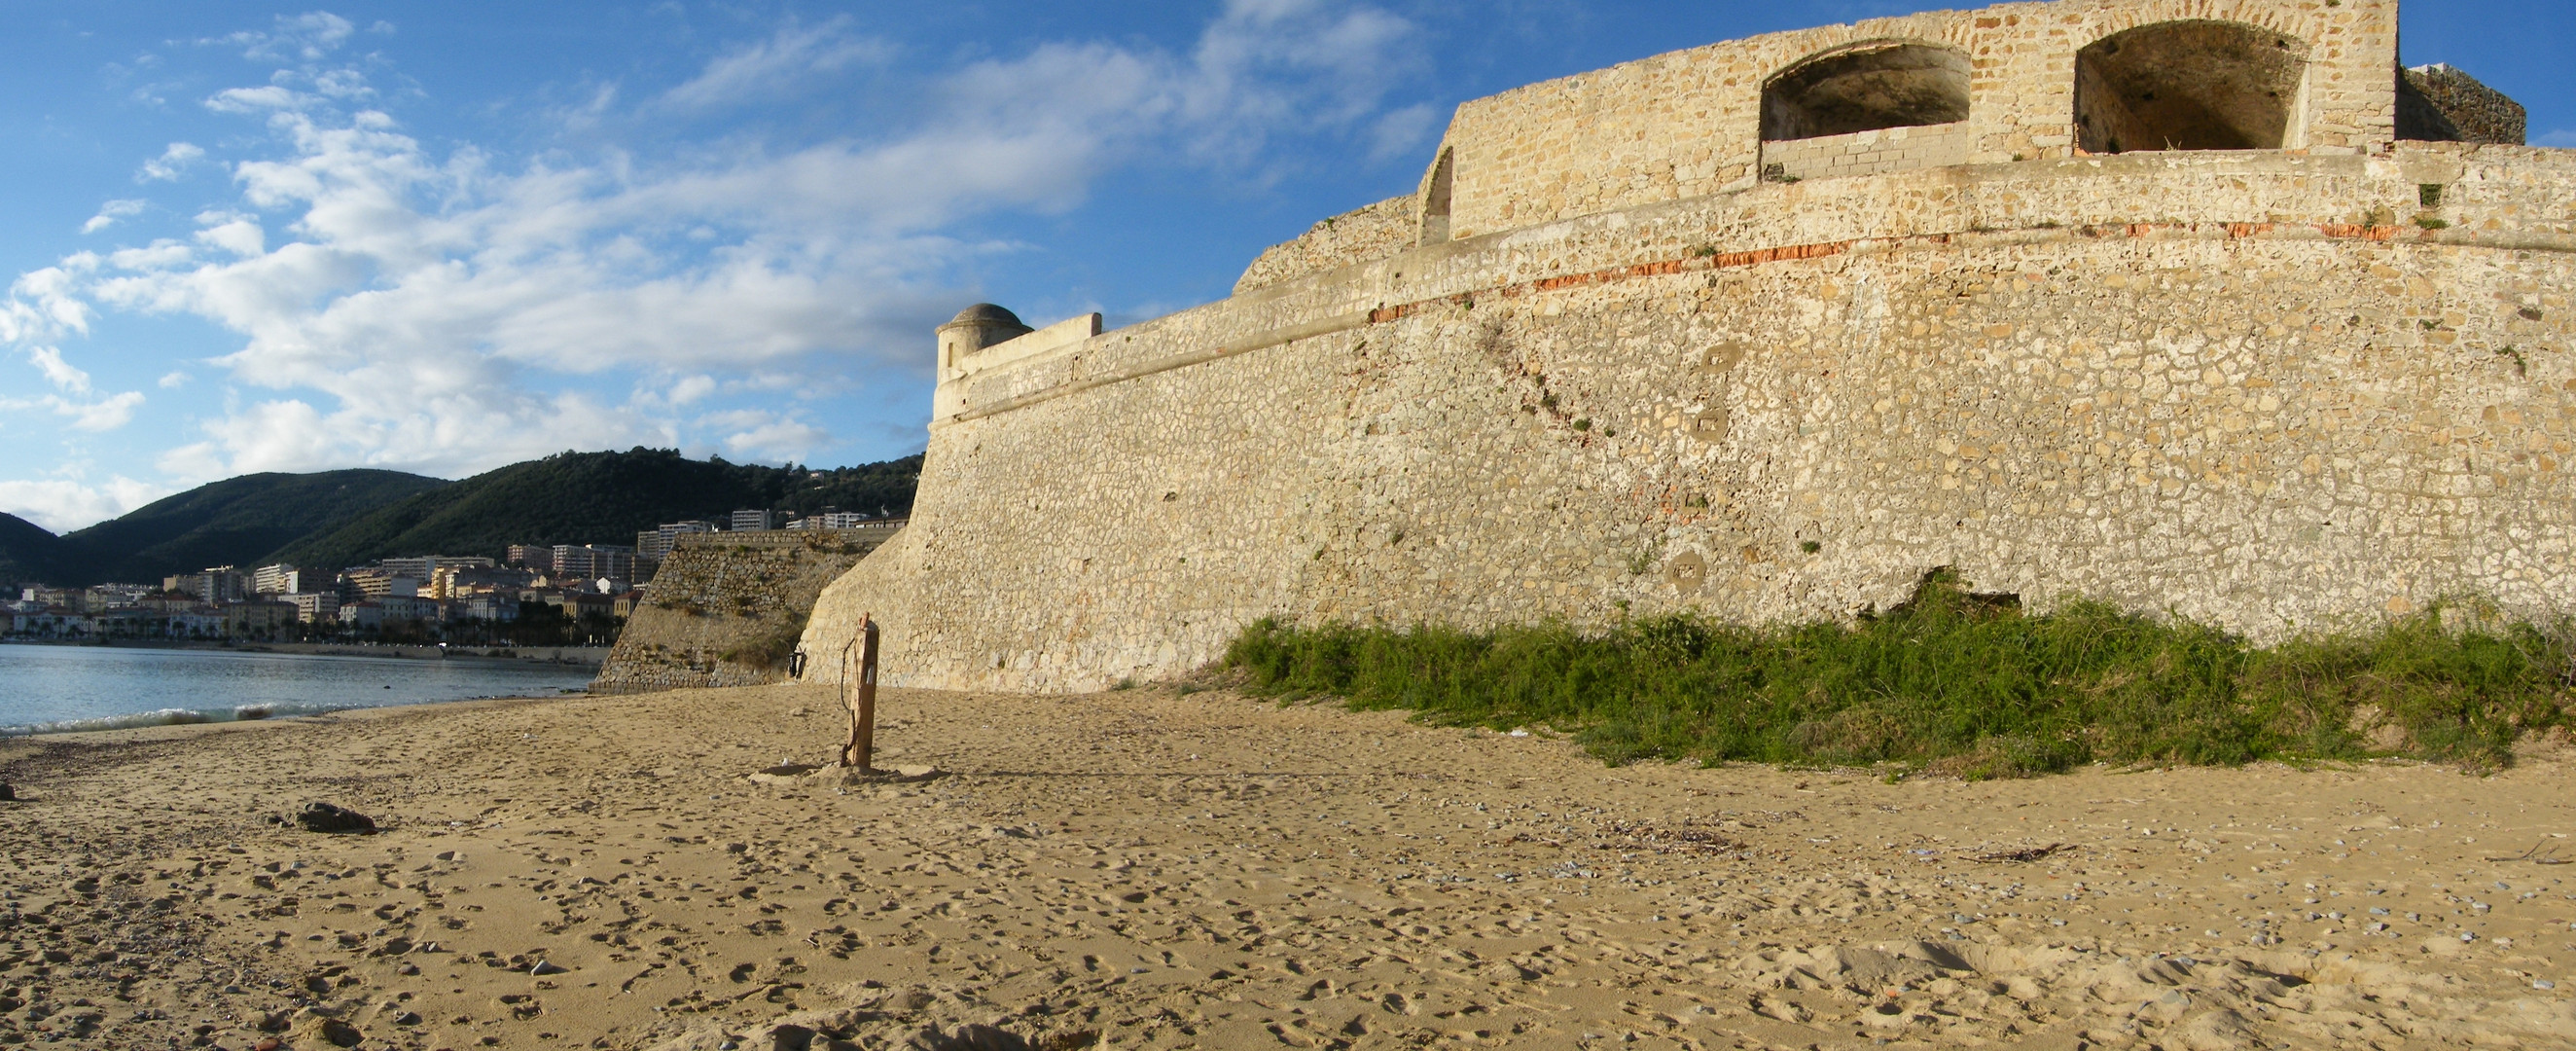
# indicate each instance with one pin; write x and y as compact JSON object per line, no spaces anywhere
{"x":726,"y":608}
{"x":2251,"y":389}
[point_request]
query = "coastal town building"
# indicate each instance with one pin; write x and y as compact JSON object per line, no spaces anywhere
{"x":259,"y":619}
{"x":653,"y":547}
{"x":592,"y":562}
{"x":378,"y":581}
{"x":218,"y":584}
{"x":469,"y":596}
{"x":421,"y":567}
{"x":315,"y":607}
{"x":277,"y":580}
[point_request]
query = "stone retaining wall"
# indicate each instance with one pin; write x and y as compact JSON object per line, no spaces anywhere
{"x":726,"y":608}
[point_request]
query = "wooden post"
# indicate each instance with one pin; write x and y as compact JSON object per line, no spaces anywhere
{"x":860,"y":751}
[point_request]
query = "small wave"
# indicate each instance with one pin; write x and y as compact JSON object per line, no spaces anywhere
{"x":169,"y":717}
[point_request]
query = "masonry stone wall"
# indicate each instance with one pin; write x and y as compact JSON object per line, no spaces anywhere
{"x":726,"y":608}
{"x":2246,"y":387}
{"x":1867,"y":152}
{"x":1618,"y":374}
{"x":1375,"y":232}
{"x":1687,"y":123}
{"x":2440,"y":103}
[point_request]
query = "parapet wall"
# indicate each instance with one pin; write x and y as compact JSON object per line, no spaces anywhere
{"x":1868,"y":152}
{"x":1375,"y":232}
{"x":2269,"y":391}
{"x":1687,"y":123}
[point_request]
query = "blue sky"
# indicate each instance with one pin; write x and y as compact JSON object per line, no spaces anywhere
{"x":441,"y":237}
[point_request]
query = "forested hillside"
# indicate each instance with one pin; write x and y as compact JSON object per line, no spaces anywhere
{"x":596,"y":498}
{"x":231,"y":522}
{"x":345,"y":518}
{"x":27,"y":553}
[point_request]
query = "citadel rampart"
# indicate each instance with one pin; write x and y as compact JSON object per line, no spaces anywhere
{"x":1618,"y":369}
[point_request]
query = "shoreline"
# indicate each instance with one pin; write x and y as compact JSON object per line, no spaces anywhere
{"x":187,"y":717}
{"x":223,"y":691}
{"x":591,"y":656}
{"x":1159,"y":870}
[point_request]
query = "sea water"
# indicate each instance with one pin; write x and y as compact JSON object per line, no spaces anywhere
{"x":54,"y":689}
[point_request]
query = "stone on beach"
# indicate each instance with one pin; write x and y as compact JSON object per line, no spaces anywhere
{"x":324,"y":817}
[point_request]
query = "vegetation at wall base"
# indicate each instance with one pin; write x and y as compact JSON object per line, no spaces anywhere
{"x":1954,"y":682}
{"x":769,"y":649}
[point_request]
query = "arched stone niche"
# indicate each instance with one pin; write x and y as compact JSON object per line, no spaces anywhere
{"x":1865,"y":109}
{"x":2189,"y":85}
{"x":1889,"y":84}
{"x":1436,"y":189}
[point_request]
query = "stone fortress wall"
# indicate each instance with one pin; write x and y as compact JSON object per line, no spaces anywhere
{"x":2300,"y":375}
{"x":724,"y":610}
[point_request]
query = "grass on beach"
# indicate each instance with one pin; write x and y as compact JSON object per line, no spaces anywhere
{"x":1953,"y":682}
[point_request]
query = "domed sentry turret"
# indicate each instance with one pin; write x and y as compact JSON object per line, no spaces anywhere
{"x":974,"y":329}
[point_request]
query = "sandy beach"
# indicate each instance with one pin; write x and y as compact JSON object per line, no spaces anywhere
{"x":1145,"y":868}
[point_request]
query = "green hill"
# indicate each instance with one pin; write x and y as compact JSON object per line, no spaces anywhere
{"x":876,"y":489}
{"x":27,"y":553}
{"x":231,"y":522}
{"x":595,"y":498}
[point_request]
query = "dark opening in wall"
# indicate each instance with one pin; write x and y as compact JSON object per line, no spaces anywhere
{"x":1435,"y":201}
{"x":1864,"y":89}
{"x":2194,"y":85}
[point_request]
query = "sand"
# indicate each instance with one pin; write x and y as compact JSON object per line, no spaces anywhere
{"x":1145,"y":868}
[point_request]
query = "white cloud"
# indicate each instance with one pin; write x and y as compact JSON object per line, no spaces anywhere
{"x":58,"y":372}
{"x":1401,"y":132}
{"x":2563,"y":138}
{"x":103,"y":414}
{"x":112,"y":211}
{"x":266,"y":97}
{"x":751,"y":71}
{"x":691,"y":389}
{"x":758,"y":434}
{"x":160,"y":253}
{"x":308,"y":37}
{"x":62,"y":505}
{"x":172,"y":163}
{"x":239,"y":235}
{"x":430,"y":312}
{"x":47,"y":303}
{"x":174,"y":379}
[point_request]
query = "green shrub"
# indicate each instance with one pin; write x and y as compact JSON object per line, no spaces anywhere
{"x":770,"y":648}
{"x":1950,"y":681}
